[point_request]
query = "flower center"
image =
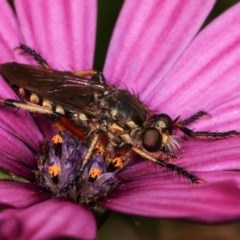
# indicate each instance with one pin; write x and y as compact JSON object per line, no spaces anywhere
{"x":60,"y":170}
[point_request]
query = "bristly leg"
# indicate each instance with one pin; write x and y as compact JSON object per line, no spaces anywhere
{"x":195,"y":117}
{"x":36,"y":56}
{"x":25,"y":106}
{"x":96,"y":75}
{"x":181,"y":125}
{"x":179,"y":170}
{"x":209,"y":135}
{"x":34,"y":108}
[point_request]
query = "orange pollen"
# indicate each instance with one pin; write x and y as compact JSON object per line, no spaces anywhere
{"x":118,"y":162}
{"x":57,"y":139}
{"x":54,"y":170}
{"x":95,"y":172}
{"x":100,"y":148}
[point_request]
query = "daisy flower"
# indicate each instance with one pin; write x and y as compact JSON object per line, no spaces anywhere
{"x":157,"y":50}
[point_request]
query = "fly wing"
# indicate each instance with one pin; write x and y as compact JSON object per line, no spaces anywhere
{"x":61,"y":87}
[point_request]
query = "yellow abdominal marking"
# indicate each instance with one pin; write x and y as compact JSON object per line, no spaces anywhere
{"x":59,"y":109}
{"x":34,"y":98}
{"x":46,"y":103}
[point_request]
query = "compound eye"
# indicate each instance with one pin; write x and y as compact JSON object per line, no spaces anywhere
{"x":151,"y":139}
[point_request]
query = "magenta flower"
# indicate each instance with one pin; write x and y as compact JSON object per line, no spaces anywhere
{"x":156,"y":51}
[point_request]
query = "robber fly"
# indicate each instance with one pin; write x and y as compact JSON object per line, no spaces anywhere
{"x":111,"y":121}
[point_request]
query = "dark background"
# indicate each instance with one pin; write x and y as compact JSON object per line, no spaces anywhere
{"x":121,"y":227}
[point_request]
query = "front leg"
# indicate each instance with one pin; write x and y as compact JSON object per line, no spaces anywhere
{"x":208,"y":135}
{"x":195,"y":117}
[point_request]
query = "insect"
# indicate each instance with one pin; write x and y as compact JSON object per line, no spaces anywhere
{"x":110,"y":121}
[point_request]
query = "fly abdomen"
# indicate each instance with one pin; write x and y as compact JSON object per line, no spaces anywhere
{"x":44,"y":102}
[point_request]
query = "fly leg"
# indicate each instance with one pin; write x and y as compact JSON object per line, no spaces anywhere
{"x":179,"y":170}
{"x":195,"y":117}
{"x":36,"y":56}
{"x":181,"y":125}
{"x":208,"y":135}
{"x":96,"y":75}
{"x":126,"y":153}
{"x":34,"y":108}
{"x":29,"y":107}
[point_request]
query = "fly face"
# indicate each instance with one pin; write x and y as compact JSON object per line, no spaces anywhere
{"x":159,"y":135}
{"x":132,"y":122}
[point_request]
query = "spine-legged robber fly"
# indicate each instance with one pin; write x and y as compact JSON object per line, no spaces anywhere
{"x":108,"y":120}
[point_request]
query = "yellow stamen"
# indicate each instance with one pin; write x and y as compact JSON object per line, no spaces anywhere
{"x":100,"y":148}
{"x":54,"y":170}
{"x":57,"y":139}
{"x":118,"y":161}
{"x":95,"y":172}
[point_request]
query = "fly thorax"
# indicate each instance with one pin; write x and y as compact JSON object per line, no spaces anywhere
{"x":124,"y":109}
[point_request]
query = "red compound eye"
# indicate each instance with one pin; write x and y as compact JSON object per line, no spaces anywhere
{"x":151,"y":139}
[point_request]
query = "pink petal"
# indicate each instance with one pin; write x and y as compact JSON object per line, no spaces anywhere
{"x":48,"y":220}
{"x":20,"y":137}
{"x":167,"y":196}
{"x":224,"y":117}
{"x":149,"y":38}
{"x":210,"y":155}
{"x":14,"y":146}
{"x":10,"y":35}
{"x":63,"y":31}
{"x":18,"y":123}
{"x":207,"y":74}
{"x":21,"y":129}
{"x":145,"y":172}
{"x":20,"y":195}
{"x":15,"y":166}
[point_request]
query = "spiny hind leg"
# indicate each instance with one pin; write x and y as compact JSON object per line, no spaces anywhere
{"x":165,"y":164}
{"x":127,"y":154}
{"x":36,"y":56}
{"x":34,"y":108}
{"x":96,"y":75}
{"x":30,"y":107}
